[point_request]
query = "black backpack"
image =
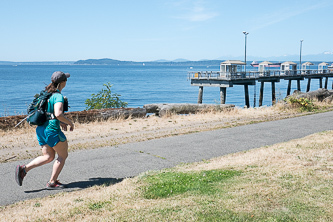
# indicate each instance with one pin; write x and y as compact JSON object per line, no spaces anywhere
{"x":37,"y":114}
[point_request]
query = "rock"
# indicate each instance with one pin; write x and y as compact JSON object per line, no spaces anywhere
{"x":182,"y":108}
{"x":104,"y":114}
{"x":328,"y":99}
{"x":319,"y":94}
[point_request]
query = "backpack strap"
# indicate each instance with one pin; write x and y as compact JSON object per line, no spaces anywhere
{"x":24,"y":119}
{"x":51,"y":116}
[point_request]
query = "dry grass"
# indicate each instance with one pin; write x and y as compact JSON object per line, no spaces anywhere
{"x":290,"y":181}
{"x":22,"y":144}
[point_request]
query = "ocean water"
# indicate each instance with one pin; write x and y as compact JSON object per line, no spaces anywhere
{"x":138,"y":85}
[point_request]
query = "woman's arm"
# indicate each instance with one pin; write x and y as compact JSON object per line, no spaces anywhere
{"x":59,"y":114}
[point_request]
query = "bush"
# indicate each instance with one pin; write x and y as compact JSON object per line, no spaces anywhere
{"x":304,"y":104}
{"x":105,"y":99}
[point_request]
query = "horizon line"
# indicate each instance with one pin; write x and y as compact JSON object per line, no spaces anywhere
{"x":184,"y":60}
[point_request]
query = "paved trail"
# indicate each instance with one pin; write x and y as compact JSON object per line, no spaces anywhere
{"x":111,"y":164}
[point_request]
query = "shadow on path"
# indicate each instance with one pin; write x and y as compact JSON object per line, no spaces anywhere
{"x":94,"y":181}
{"x":85,"y":184}
{"x":34,"y":191}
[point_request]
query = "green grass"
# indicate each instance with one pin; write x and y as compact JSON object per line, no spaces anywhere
{"x":98,"y":205}
{"x":174,"y":183}
{"x":210,"y":193}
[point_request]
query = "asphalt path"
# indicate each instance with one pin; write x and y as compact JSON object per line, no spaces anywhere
{"x":111,"y":165}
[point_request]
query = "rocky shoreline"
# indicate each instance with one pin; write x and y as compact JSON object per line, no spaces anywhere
{"x":87,"y":116}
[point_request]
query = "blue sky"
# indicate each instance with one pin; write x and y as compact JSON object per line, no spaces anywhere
{"x":146,"y":30}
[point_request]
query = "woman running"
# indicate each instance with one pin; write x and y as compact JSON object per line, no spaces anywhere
{"x":50,"y":137}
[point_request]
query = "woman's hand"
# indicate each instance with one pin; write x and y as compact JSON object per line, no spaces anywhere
{"x":71,"y":127}
{"x":64,"y":126}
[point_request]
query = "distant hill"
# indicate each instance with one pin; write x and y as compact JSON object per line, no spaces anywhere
{"x":322,"y":57}
{"x":106,"y":61}
{"x":180,"y":60}
{"x":177,"y":62}
{"x":162,"y":60}
{"x":102,"y":62}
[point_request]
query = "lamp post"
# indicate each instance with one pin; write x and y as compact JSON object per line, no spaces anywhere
{"x":245,"y":33}
{"x":300,"y":54}
{"x":246,"y":87}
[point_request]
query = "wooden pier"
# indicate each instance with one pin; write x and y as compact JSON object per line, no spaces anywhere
{"x":230,"y":75}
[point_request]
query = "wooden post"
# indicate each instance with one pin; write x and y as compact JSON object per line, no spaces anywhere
{"x":247,"y":98}
{"x":289,"y":87}
{"x":273,"y":93}
{"x":261,"y":96}
{"x":298,"y":84}
{"x":200,"y":94}
{"x":223,"y":94}
{"x":321,"y":82}
{"x":308,"y":87}
{"x":326,"y":82}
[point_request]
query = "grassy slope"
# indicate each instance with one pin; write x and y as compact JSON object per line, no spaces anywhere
{"x":290,"y":181}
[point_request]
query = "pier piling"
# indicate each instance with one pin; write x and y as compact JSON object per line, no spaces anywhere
{"x":273,"y":93}
{"x":308,"y":86}
{"x":223,"y":94}
{"x":247,"y":98}
{"x":200,"y":94}
{"x":261,"y":93}
{"x":289,"y":87}
{"x":261,"y":96}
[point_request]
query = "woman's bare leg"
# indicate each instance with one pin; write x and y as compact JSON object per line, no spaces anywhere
{"x":48,"y":156}
{"x":62,"y":150}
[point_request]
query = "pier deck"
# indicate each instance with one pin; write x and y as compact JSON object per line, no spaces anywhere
{"x":227,"y":79}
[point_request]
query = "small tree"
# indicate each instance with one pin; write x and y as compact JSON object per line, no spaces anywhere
{"x":105,"y":99}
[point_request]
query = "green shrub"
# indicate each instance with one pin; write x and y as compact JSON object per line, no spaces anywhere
{"x":105,"y":99}
{"x":304,"y":104}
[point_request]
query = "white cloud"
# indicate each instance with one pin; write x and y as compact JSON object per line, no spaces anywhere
{"x":194,"y":11}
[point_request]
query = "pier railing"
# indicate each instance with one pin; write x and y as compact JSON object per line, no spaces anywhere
{"x":256,"y":74}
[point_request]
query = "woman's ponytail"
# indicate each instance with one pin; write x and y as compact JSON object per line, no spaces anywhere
{"x":52,"y":87}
